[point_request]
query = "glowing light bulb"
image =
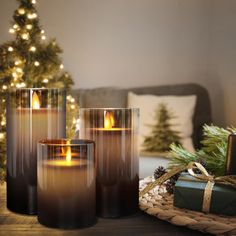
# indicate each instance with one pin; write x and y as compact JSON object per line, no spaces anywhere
{"x":15,"y":26}
{"x":29,"y":26}
{"x":19,"y":70}
{"x":45,"y":81}
{"x":32,"y":15}
{"x":12,"y":84}
{"x":68,"y":97}
{"x":61,"y":66}
{"x":72,"y":107}
{"x":10,"y":49}
{"x":21,"y":11}
{"x":36,"y":63}
{"x":17,"y":63}
{"x":25,"y":36}
{"x":42,"y":31}
{"x":3,"y":123}
{"x":32,"y":49}
{"x":14,"y":74}
{"x":33,"y":1}
{"x":1,"y":135}
{"x":43,"y":37}
{"x":72,"y":100}
{"x":11,"y":31}
{"x":4,"y":87}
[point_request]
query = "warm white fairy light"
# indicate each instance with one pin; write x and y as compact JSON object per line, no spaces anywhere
{"x":72,"y":107}
{"x":32,"y":15}
{"x":36,"y":63}
{"x":10,"y":49}
{"x":21,"y":11}
{"x":33,"y":1}
{"x":25,"y":36}
{"x":45,"y":81}
{"x":32,"y":49}
{"x":61,"y":66}
{"x":4,"y":87}
{"x":3,"y":123}
{"x":15,"y":26}
{"x":72,"y":100}
{"x":29,"y":27}
{"x":11,"y":31}
{"x":43,"y":37}
{"x":14,"y":74}
{"x":12,"y":84}
{"x":42,"y":31}
{"x":68,"y":97}
{"x":23,"y":85}
{"x":19,"y":70}
{"x":18,"y":85}
{"x":1,"y":135}
{"x":17,"y":63}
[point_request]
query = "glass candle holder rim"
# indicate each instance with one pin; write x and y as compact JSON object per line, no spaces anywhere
{"x":72,"y":142}
{"x":135,"y":109}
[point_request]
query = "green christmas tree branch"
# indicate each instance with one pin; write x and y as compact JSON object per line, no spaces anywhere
{"x":30,"y":60}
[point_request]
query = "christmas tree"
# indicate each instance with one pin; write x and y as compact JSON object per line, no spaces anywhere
{"x":30,"y":60}
{"x":162,"y":135}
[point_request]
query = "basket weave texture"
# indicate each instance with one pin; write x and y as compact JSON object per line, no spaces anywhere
{"x":158,"y":203}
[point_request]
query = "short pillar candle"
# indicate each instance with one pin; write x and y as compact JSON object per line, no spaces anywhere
{"x":32,"y":114}
{"x":115,"y":132}
{"x":66,"y":183}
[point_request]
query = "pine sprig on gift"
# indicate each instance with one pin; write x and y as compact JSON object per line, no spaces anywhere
{"x":213,"y":152}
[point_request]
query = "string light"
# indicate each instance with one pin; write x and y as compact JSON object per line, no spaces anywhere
{"x":43,"y":37}
{"x":19,"y":70}
{"x":15,"y":26}
{"x":72,"y":107}
{"x":17,"y":63}
{"x":21,"y":11}
{"x":23,"y":85}
{"x":25,"y":36}
{"x":68,"y":97}
{"x":33,"y":1}
{"x":12,"y":84}
{"x":61,"y":66}
{"x":29,"y":27}
{"x":72,"y":100}
{"x":45,"y":81}
{"x":4,"y":87}
{"x":32,"y":49}
{"x":3,"y":123}
{"x":11,"y":31}
{"x":14,"y":74}
{"x":10,"y":49}
{"x":42,"y":31}
{"x":1,"y":135}
{"x":32,"y":15}
{"x":36,"y":63}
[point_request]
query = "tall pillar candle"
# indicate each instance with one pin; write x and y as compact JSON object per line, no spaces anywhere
{"x":115,"y":132}
{"x":66,"y":183}
{"x":32,"y":114}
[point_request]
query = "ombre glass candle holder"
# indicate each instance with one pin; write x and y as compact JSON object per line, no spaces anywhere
{"x":32,"y":114}
{"x":115,"y":132}
{"x":66,"y":183}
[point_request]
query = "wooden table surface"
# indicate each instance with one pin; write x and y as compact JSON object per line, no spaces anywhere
{"x":139,"y":224}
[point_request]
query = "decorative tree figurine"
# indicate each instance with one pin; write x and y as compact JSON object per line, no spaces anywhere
{"x":30,"y":61}
{"x":162,"y":135}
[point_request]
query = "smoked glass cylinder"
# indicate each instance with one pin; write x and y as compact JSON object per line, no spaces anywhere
{"x":115,"y":132}
{"x":32,"y":114}
{"x":66,"y":183}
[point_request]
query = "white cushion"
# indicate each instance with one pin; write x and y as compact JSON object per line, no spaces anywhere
{"x":182,"y":108}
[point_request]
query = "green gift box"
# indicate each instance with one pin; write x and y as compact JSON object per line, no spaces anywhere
{"x":189,"y":192}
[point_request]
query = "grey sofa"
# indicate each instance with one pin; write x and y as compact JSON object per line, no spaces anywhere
{"x":117,"y":97}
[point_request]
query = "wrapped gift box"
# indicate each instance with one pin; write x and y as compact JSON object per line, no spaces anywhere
{"x":189,"y":192}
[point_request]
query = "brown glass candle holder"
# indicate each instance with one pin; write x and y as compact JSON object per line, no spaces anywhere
{"x":66,"y":183}
{"x":115,"y":132}
{"x":32,"y":114}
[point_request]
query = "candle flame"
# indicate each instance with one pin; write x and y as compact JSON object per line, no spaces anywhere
{"x":68,"y":152}
{"x":35,"y":101}
{"x":109,"y":120}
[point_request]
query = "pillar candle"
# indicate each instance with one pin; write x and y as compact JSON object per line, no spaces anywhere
{"x":26,"y":125}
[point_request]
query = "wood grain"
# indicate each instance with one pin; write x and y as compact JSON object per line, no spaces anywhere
{"x":139,"y":224}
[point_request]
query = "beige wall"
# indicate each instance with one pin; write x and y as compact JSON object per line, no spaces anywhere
{"x":144,"y":42}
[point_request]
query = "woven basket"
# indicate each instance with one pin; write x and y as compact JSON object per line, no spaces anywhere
{"x":158,"y":203}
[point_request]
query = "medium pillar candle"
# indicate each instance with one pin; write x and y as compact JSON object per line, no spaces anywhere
{"x":115,"y":132}
{"x":32,"y":114}
{"x":66,"y":183}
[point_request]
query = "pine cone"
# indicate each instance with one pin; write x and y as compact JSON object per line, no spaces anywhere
{"x":159,"y":172}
